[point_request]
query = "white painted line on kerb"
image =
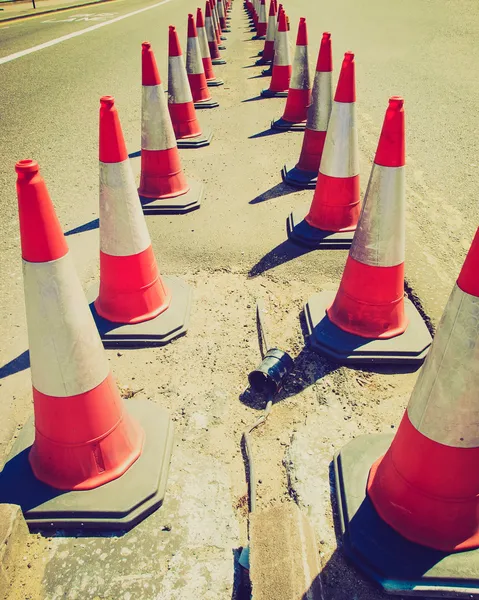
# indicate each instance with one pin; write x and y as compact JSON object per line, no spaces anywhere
{"x":59,"y":40}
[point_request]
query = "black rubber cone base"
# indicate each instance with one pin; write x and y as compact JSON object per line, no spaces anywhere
{"x":218,"y":61}
{"x":399,"y":566}
{"x":305,"y":180}
{"x":117,"y":505}
{"x":260,"y":62}
{"x":175,"y":206}
{"x":258,"y":37}
{"x":222,"y":47}
{"x":269,"y":94}
{"x":267,"y":72}
{"x":169,"y":325}
{"x":196,"y":142}
{"x":207,"y":104}
{"x":409,"y":348}
{"x":282,"y":125}
{"x":300,"y":232}
{"x":214,"y":82}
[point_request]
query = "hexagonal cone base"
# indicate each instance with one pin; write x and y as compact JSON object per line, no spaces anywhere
{"x":169,"y":325}
{"x":196,"y":142}
{"x":222,"y":47}
{"x":301,"y":233}
{"x":294,"y":177}
{"x":117,"y":505}
{"x":218,"y":61}
{"x":282,"y":125}
{"x":178,"y":205}
{"x":267,"y":72}
{"x":214,"y":82}
{"x":206,"y":104}
{"x":396,"y":564}
{"x":262,"y":61}
{"x":409,"y":348}
{"x":269,"y":94}
{"x":258,"y":37}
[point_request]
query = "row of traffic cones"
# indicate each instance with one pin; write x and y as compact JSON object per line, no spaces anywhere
{"x":409,"y":506}
{"x":109,"y":458}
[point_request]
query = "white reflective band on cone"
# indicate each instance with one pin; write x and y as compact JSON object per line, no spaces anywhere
{"x":178,"y":85}
{"x":66,"y":353}
{"x":443,"y":404}
{"x":321,"y":101}
{"x":300,"y":77}
{"x":262,"y":13}
{"x":156,"y":129}
{"x":203,"y":41}
{"x":379,"y":240}
{"x":194,"y":64}
{"x":271,"y":29}
{"x":210,"y":31}
{"x":221,"y":12}
{"x":282,"y":57}
{"x":123,"y":230}
{"x":340,"y":154}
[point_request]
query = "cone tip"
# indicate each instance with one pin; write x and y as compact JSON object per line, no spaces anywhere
{"x":107,"y":101}
{"x":325,"y":59}
{"x":396,"y":102}
{"x":346,"y":89}
{"x":282,"y":21}
{"x":27,"y":165}
{"x":468,"y":281}
{"x":174,"y":42}
{"x":146,"y":45}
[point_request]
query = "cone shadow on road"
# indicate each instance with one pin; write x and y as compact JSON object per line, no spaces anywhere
{"x":283,"y":253}
{"x":255,"y":99}
{"x":20,"y":363}
{"x":277,"y":191}
{"x":86,"y":227}
{"x":267,"y":133}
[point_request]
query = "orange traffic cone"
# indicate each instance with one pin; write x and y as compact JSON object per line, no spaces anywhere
{"x":414,"y":525}
{"x":369,"y":319}
{"x":299,"y":94}
{"x":139,"y":308}
{"x":110,"y":464}
{"x":211,"y":36}
{"x":267,"y":53}
{"x":195,"y":70}
{"x":180,"y":101}
{"x":305,"y":173}
{"x":281,"y":64}
{"x":222,"y":17}
{"x":163,"y":185}
{"x":335,"y":208}
{"x":216,"y":23}
{"x":211,"y":79}
{"x":262,"y":23}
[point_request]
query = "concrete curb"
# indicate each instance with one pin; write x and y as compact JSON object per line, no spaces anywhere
{"x":52,"y":10}
{"x":13,"y":537}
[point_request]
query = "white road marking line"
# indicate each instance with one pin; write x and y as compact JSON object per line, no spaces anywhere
{"x":63,"y":38}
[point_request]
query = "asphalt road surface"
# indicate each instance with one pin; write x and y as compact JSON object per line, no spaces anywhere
{"x":54,"y":68}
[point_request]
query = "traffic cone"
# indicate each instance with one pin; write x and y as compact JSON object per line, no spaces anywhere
{"x":269,"y":71}
{"x":211,"y":79}
{"x":222,"y":17}
{"x":413,"y":524}
{"x":216,"y":22}
{"x":335,"y":208}
{"x":299,"y":94}
{"x":211,"y":37}
{"x":268,"y":51}
{"x":195,"y":70}
{"x":305,"y":173}
{"x":163,"y":186}
{"x":110,"y":461}
{"x":262,"y":24}
{"x":139,"y":308}
{"x":281,"y":64}
{"x":180,"y":101}
{"x":369,"y":319}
